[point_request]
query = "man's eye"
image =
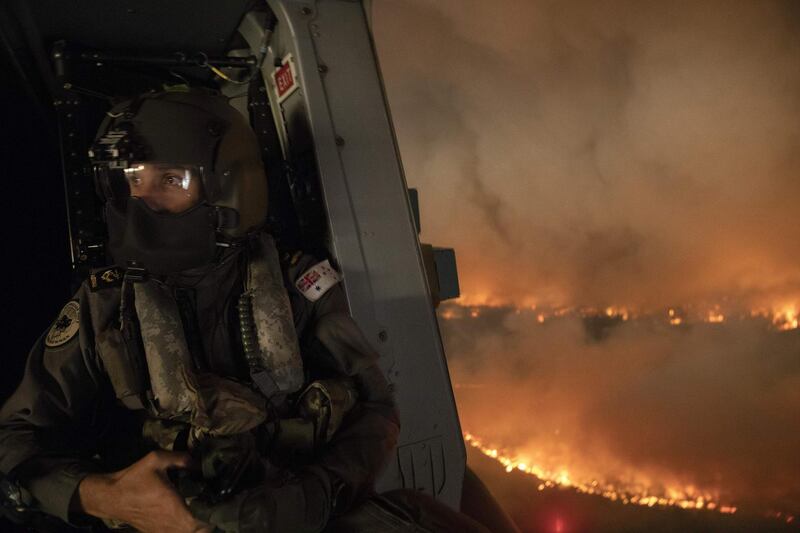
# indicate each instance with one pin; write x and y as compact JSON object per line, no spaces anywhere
{"x":173,"y":181}
{"x":134,"y":180}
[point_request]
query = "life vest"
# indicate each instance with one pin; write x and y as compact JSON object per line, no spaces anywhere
{"x":146,"y":355}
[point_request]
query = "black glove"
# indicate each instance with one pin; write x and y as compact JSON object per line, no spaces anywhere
{"x":223,"y":516}
{"x":301,"y":504}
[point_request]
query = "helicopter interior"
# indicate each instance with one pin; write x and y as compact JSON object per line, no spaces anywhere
{"x":74,"y":64}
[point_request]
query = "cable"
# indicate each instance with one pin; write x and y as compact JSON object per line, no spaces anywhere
{"x":227,"y":78}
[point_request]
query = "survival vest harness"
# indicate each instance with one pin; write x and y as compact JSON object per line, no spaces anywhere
{"x":148,"y":360}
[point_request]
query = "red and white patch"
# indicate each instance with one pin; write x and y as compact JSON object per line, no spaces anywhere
{"x":317,"y":280}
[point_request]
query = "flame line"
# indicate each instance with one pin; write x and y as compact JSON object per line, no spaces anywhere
{"x":549,"y":479}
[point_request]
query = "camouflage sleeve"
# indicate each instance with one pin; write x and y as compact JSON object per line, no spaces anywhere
{"x":362,"y":447}
{"x":364,"y":444}
{"x":43,"y":442}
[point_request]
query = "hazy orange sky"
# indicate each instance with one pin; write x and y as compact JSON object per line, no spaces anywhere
{"x":599,"y":153}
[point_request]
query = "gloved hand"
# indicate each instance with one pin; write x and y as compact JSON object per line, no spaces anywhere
{"x":301,"y":504}
{"x":223,"y":516}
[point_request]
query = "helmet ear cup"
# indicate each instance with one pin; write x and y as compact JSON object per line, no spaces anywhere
{"x":241,"y":179}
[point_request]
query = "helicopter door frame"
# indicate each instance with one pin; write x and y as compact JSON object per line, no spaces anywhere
{"x":373,"y":236}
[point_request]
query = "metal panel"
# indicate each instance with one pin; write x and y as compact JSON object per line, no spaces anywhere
{"x":446,"y":273}
{"x":373,"y":236}
{"x":422,"y":465}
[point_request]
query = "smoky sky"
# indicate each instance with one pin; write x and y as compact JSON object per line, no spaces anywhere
{"x":602,"y":153}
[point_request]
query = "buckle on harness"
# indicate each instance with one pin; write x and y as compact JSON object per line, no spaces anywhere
{"x":135,"y":272}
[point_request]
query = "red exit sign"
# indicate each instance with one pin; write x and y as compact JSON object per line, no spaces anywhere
{"x":285,"y":78}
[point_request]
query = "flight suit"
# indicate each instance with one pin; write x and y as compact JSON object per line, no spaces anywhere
{"x":65,"y":420}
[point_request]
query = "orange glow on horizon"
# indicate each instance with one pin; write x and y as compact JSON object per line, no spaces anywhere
{"x":780,"y":317}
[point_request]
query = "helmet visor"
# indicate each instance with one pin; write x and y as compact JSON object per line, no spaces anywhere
{"x":164,"y":187}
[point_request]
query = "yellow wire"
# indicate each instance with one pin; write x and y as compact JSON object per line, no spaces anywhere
{"x":225,"y":77}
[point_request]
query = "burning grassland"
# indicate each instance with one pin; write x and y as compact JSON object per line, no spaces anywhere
{"x":635,"y":406}
{"x":625,"y":491}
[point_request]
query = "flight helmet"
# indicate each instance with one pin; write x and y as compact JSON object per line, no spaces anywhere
{"x":181,"y":175}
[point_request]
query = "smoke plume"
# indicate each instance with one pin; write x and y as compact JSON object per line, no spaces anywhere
{"x":628,"y":153}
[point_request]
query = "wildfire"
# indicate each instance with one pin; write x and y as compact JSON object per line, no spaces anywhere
{"x":785,"y":318}
{"x":781,"y":318}
{"x":685,"y":498}
{"x":479,"y":299}
{"x":714,"y":316}
{"x":788,"y":518}
{"x":617,"y":312}
{"x":447,"y":314}
{"x":627,"y":484}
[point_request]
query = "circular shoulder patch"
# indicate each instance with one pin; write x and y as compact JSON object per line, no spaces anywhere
{"x":65,"y":327}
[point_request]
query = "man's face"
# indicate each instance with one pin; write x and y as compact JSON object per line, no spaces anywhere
{"x":165,"y":188}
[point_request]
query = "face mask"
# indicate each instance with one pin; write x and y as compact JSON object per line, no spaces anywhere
{"x":161,"y":243}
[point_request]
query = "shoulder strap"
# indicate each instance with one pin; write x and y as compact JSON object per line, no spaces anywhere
{"x":116,"y":337}
{"x":265,"y":317}
{"x":166,"y":352}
